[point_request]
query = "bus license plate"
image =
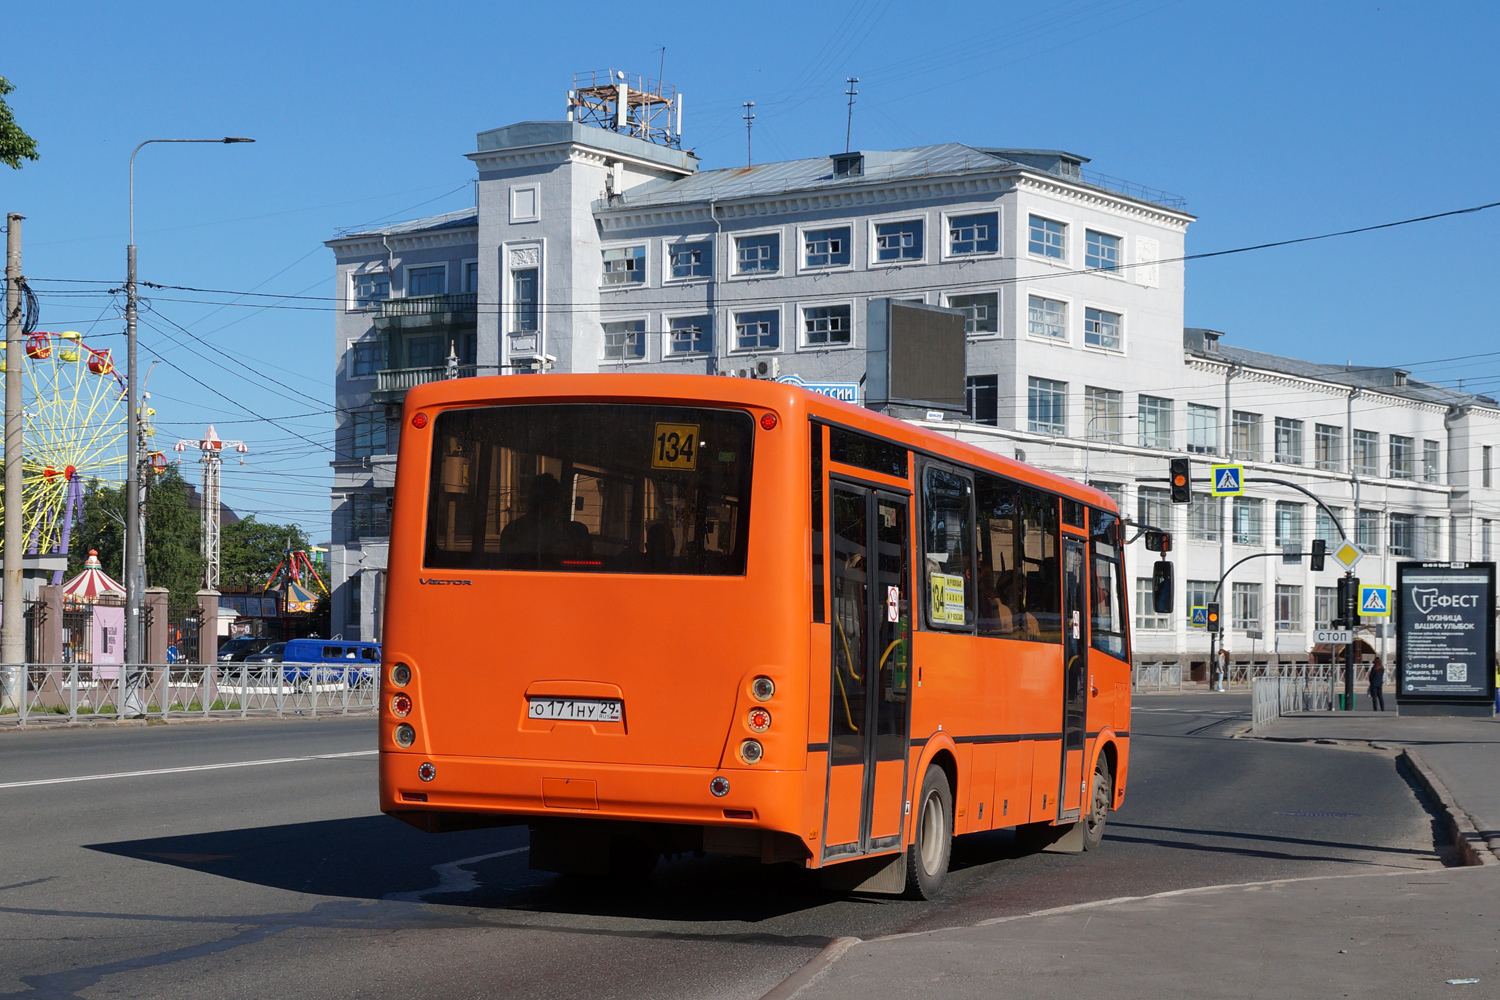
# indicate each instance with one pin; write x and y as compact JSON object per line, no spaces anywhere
{"x":577,"y":709}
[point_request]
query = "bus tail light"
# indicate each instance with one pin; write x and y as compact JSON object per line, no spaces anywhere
{"x":405,"y":735}
{"x":419,"y":420}
{"x":427,"y":771}
{"x":762,"y":688}
{"x":768,"y":421}
{"x":401,"y":705}
{"x":751,"y":751}
{"x":401,"y":675}
{"x":719,"y":787}
{"x":759,"y":720}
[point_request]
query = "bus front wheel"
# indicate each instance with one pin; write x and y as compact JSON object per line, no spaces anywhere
{"x":932,"y":847}
{"x":1099,"y":804}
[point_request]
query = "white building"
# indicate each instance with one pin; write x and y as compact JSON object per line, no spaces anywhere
{"x":592,"y":250}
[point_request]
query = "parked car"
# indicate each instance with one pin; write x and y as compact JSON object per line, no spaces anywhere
{"x":240,"y":647}
{"x":331,"y":661}
{"x":271,"y":654}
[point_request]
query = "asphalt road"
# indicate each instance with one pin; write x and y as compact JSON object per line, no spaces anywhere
{"x":279,"y":879}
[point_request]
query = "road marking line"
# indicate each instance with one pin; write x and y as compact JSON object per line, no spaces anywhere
{"x":184,"y":770}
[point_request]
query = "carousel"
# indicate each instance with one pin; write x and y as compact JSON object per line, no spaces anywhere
{"x":92,"y":584}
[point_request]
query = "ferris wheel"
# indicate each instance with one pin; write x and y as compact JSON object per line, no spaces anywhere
{"x":75,"y":431}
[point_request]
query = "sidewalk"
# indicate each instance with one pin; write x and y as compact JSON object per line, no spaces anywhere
{"x":1464,"y":754}
{"x":1397,"y":935}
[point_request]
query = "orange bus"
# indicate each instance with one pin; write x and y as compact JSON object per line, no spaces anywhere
{"x":662,"y":614}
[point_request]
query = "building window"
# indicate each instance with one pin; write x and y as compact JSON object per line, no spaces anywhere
{"x":1432,"y":466}
{"x":1431,"y":546}
{"x":1485,"y":464}
{"x":1288,"y":441}
{"x":1246,"y":607}
{"x":1044,"y":406}
{"x":1101,"y":251}
{"x":758,"y":254}
{"x":1367,"y":531}
{"x":367,"y":434}
{"x":1365,"y":453}
{"x":524,"y":291}
{"x":352,"y":586}
{"x":825,"y":325}
{"x":1325,"y":527}
{"x":1288,"y":608}
{"x":981,"y":312}
{"x":1115,"y":491}
{"x":625,"y":340}
{"x":425,"y":352}
{"x":1288,"y":525}
{"x":897,"y":241}
{"x":371,"y":289}
{"x":1402,"y":457}
{"x":690,"y":335}
{"x":1199,"y":593}
{"x":1403,"y":540}
{"x":1244,"y":437}
{"x":826,"y":247}
{"x":1154,"y":415}
{"x":692,"y":260}
{"x":471,"y":276}
{"x":1486,"y":536}
{"x":1101,"y":329}
{"x":1326,"y":600}
{"x":1146,"y":617}
{"x":427,"y":280}
{"x":625,"y":266}
{"x":1204,"y":517}
{"x":757,"y":331}
{"x":1328,"y":450}
{"x":364,"y":358}
{"x":1046,"y":317}
{"x":369,"y":515}
{"x":1154,"y":507}
{"x":1101,"y":413}
{"x":974,"y":234}
{"x":1202,"y":429}
{"x":1248,"y":529}
{"x":982,"y":399}
{"x":1047,"y":238}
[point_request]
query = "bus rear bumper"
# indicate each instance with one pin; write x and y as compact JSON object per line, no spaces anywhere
{"x":492,"y":790}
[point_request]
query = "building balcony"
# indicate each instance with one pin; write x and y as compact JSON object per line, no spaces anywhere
{"x":420,"y":311}
{"x":391,"y":384}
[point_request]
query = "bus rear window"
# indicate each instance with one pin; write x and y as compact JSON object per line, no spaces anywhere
{"x":591,"y":488}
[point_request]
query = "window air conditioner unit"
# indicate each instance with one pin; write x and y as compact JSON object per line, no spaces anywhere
{"x":768,"y":367}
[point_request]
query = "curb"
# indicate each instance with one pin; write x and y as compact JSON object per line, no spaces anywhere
{"x":815,"y":967}
{"x":1472,"y":846}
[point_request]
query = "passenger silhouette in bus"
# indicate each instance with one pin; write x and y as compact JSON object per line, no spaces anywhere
{"x":540,"y":537}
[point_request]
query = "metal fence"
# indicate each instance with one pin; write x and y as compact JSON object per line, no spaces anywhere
{"x":53,"y":693}
{"x":1156,"y":677}
{"x":1311,"y":688}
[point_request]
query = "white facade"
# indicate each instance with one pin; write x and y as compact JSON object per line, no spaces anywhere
{"x":593,"y":251}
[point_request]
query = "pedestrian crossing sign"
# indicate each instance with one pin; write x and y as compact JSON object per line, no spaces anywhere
{"x":1200,"y":616}
{"x":1374,"y":602}
{"x":1228,"y":480}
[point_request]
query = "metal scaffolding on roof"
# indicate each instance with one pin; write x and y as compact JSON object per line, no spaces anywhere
{"x":629,"y":104}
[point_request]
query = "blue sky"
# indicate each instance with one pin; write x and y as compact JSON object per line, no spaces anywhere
{"x":1274,"y":120}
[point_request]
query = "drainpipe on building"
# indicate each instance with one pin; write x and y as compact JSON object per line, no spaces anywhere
{"x":721,"y":338}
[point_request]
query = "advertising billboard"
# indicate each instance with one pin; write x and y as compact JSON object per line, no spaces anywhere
{"x":1445,"y":638}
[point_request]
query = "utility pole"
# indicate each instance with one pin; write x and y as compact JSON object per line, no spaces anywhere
{"x":849,"y":124}
{"x":749,"y":117}
{"x":13,"y":624}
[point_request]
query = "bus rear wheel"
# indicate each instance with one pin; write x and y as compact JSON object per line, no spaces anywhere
{"x":932,"y":847}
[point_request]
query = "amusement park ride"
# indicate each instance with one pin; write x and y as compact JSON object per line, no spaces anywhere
{"x":75,"y":414}
{"x":287,"y":577}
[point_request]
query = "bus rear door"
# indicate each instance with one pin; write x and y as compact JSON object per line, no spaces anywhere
{"x":1075,"y":674}
{"x":870,"y":671}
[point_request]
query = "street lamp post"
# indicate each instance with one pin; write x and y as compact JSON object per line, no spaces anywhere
{"x":135,"y":528}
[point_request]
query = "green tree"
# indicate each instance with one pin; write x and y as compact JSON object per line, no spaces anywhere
{"x":100,"y":529}
{"x":251,"y":550}
{"x":173,"y":533}
{"x":15,"y":144}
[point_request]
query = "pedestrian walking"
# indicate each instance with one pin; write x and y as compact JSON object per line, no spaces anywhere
{"x":1377,"y":683}
{"x":1223,"y":669}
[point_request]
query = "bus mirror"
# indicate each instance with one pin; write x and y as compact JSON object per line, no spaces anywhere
{"x":1161,"y":587}
{"x":1158,"y":541}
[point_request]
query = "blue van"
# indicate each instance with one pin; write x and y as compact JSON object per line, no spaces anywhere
{"x":332,"y":660}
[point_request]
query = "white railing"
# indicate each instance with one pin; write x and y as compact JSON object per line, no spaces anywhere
{"x":81,"y":692}
{"x":1310,"y":690}
{"x":1156,"y":677}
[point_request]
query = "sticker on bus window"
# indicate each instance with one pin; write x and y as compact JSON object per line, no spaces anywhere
{"x":947,"y":599}
{"x":675,"y":446}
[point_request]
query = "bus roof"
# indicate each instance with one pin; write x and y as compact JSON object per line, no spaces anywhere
{"x":783,"y":397}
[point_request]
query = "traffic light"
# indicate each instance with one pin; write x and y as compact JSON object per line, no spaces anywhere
{"x":1349,"y":600}
{"x":1213,"y":617}
{"x":1319,"y":554}
{"x":1182,"y":481}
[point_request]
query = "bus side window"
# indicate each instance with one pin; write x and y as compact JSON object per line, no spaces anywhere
{"x":999,"y":579}
{"x":1037,"y":562}
{"x":947,"y":506}
{"x":1107,"y":626}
